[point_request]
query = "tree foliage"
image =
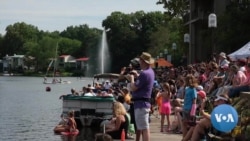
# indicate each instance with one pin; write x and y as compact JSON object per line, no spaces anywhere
{"x":69,"y":46}
{"x":88,"y":37}
{"x":128,"y":35}
{"x":175,"y":8}
{"x":16,"y":36}
{"x":131,"y":34}
{"x":233,"y":26}
{"x":43,"y":50}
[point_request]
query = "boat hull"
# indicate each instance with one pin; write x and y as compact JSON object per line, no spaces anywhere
{"x":90,"y":110}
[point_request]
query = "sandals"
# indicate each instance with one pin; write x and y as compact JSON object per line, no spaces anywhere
{"x":169,"y":129}
{"x":178,"y":132}
{"x":130,"y":137}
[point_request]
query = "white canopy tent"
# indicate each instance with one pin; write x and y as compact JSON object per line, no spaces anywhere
{"x":242,"y":53}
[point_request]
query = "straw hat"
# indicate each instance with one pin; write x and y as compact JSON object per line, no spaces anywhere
{"x":147,"y":58}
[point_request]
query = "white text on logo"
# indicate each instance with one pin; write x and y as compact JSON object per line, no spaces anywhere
{"x":226,"y":118}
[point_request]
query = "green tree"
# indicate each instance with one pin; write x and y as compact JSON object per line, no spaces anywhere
{"x":159,"y":41}
{"x":43,"y":50}
{"x":68,"y":46}
{"x":15,"y":37}
{"x":175,"y":8}
{"x":131,"y":34}
{"x":121,"y":39}
{"x":89,"y":38}
{"x":233,"y":27}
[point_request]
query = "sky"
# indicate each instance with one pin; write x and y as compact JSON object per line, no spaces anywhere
{"x":52,"y":15}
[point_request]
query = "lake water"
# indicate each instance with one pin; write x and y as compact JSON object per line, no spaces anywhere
{"x":29,"y":113}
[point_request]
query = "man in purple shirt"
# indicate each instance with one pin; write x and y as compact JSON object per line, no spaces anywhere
{"x":141,"y":94}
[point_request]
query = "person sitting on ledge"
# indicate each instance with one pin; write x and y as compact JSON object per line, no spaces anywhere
{"x":204,"y":124}
{"x":71,"y":125}
{"x":120,"y":122}
{"x":245,"y":87}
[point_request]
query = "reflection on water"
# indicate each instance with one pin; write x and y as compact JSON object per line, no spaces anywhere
{"x":86,"y":134}
{"x":29,"y":113}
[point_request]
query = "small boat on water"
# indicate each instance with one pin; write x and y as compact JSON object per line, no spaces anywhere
{"x":6,"y":73}
{"x":90,"y":110}
{"x":54,"y":79}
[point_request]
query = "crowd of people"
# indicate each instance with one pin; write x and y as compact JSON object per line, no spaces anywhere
{"x":181,"y":91}
{"x":216,"y":81}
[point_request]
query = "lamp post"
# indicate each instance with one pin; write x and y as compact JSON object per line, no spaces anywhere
{"x":186,"y":38}
{"x":161,"y":55}
{"x":156,"y":62}
{"x":188,"y":53}
{"x":174,"y":46}
{"x":166,"y":53}
{"x":212,"y":23}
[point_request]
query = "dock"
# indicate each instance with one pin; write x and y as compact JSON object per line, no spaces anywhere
{"x":156,"y":135}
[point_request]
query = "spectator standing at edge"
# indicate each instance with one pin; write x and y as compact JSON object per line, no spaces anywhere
{"x":189,"y":107}
{"x":141,"y":94}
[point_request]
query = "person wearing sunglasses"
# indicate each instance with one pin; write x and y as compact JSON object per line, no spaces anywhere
{"x":204,"y":124}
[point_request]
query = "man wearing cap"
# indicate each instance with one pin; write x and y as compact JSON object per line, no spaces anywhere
{"x":205,"y":122}
{"x":141,"y":94}
{"x":223,"y":59}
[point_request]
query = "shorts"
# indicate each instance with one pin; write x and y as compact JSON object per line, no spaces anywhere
{"x":141,"y":118}
{"x":186,"y":115}
{"x":166,"y":108}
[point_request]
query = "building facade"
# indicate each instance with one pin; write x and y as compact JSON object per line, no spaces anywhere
{"x":15,"y":62}
{"x":197,"y":22}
